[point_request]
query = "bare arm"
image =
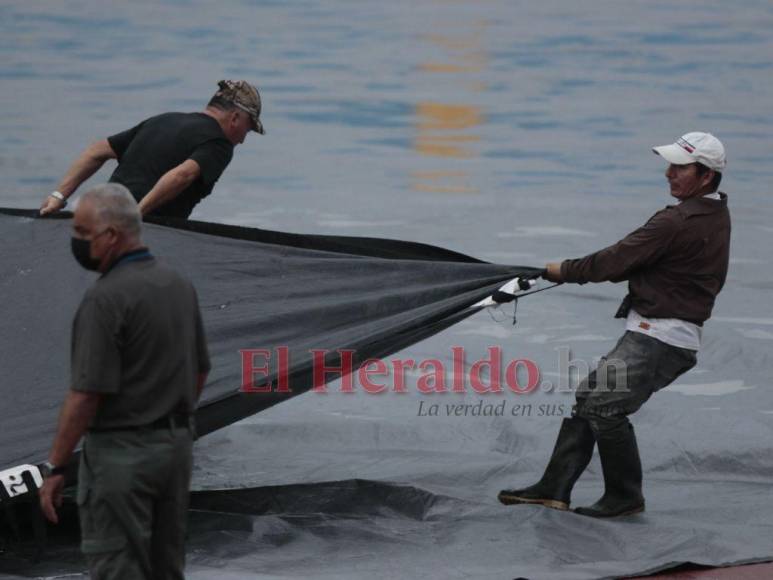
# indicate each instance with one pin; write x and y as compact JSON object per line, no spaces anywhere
{"x":86,"y":165}
{"x":77,"y":412}
{"x":171,"y":184}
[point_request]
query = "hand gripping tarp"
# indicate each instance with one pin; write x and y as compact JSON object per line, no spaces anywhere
{"x":257,"y":290}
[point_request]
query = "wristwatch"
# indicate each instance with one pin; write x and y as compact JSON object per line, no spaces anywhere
{"x":48,"y":469}
{"x":60,"y":196}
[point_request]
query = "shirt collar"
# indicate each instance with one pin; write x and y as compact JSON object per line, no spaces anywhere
{"x":133,"y":256}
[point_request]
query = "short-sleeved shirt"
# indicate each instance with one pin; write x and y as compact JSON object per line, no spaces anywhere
{"x":138,"y":339}
{"x":155,"y":146}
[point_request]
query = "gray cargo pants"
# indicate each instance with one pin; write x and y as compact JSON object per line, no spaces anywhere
{"x":637,"y":367}
{"x":133,"y":500}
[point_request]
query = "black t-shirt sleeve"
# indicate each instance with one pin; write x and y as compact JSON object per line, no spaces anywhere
{"x":213,"y":157}
{"x":120,"y":141}
{"x":95,"y":355}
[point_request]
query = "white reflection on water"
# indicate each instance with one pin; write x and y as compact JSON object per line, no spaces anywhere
{"x":710,"y":389}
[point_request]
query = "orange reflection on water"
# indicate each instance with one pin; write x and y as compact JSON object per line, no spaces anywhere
{"x":445,"y":145}
{"x":449,"y":68}
{"x":448,"y":181}
{"x":435,"y":120}
{"x":438,"y":116}
{"x":443,"y":130}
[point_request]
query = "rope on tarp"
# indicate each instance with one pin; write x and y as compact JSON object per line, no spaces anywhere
{"x":507,"y":293}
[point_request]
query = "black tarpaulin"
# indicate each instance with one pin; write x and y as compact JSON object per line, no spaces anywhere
{"x":360,"y":486}
{"x":257,"y":290}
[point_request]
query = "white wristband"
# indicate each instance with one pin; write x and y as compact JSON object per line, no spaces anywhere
{"x":60,"y":196}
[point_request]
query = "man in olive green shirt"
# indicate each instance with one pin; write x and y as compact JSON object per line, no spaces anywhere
{"x":139,"y":362}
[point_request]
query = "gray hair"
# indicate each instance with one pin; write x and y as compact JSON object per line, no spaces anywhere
{"x":115,"y":206}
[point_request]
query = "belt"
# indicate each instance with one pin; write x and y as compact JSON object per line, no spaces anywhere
{"x":171,"y":421}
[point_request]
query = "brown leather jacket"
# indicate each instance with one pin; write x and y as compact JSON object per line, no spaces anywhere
{"x":675,"y":264}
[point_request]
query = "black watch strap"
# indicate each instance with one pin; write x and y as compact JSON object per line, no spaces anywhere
{"x":59,"y":470}
{"x":49,"y":469}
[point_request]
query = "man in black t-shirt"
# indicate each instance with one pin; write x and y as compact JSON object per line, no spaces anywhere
{"x":171,"y":161}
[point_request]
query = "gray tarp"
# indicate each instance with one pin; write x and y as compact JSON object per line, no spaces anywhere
{"x":369,"y":296}
{"x":361,"y":486}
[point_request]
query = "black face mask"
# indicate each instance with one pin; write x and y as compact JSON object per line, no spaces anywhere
{"x":81,"y":249}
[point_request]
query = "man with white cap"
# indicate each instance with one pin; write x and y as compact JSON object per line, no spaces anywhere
{"x":675,"y":265}
{"x":171,"y":161}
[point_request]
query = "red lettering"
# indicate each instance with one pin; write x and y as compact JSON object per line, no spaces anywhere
{"x":435,"y":382}
{"x":249,"y":370}
{"x":399,"y":373}
{"x":532,"y":375}
{"x":320,"y":370}
{"x":283,"y":380}
{"x":458,"y":378}
{"x":365,"y":373}
{"x":494,"y":364}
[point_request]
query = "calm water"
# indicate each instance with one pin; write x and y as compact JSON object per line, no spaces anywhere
{"x":518,"y":132}
{"x":445,"y":121}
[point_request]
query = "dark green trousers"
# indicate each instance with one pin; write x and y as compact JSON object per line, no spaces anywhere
{"x":133,"y":501}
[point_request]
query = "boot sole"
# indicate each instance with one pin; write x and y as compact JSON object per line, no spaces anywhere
{"x":631,"y":512}
{"x":550,"y":503}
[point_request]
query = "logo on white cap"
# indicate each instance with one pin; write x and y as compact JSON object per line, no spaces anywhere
{"x":695,"y":147}
{"x":685,"y":145}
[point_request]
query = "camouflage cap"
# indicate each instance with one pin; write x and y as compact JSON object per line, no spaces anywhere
{"x":246,"y":97}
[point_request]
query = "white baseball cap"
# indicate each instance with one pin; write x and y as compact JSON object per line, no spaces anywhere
{"x":695,"y":147}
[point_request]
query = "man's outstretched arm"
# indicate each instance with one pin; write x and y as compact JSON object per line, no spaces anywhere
{"x":86,"y":165}
{"x":640,"y":248}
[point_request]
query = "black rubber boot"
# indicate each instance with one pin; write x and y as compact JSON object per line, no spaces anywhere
{"x":622,"y":475}
{"x":571,"y":455}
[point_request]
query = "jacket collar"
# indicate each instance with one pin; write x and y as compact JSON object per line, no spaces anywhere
{"x":702,"y":205}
